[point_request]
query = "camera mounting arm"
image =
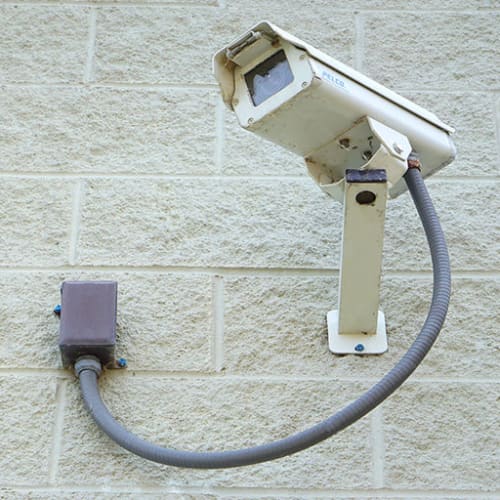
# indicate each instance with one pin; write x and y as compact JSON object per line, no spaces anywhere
{"x":358,"y":326}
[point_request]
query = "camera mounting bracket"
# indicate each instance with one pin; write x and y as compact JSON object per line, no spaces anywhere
{"x":357,"y":326}
{"x":368,"y":144}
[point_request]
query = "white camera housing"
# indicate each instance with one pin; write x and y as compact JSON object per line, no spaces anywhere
{"x":356,"y":137}
{"x":325,"y":111}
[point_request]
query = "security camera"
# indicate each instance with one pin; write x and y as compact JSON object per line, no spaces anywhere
{"x":356,"y":137}
{"x":292,"y":94}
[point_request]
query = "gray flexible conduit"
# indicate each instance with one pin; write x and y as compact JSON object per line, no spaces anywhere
{"x":88,"y":370}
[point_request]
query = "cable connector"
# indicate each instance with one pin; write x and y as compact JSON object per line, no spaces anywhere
{"x":88,"y":363}
{"x":413,"y":161}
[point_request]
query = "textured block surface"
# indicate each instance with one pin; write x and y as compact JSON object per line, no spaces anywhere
{"x":417,"y":428}
{"x":105,"y":130}
{"x":473,"y":117}
{"x":173,"y":45}
{"x":326,"y":25}
{"x":35,"y":220}
{"x":273,"y":224}
{"x":277,"y":325}
{"x":468,"y":214}
{"x":119,"y":161}
{"x":208,"y":222}
{"x":213,"y":414}
{"x":26,"y":420}
{"x":164,"y":320}
{"x":248,"y":154}
{"x":161,"y":44}
{"x":29,"y":295}
{"x":42,"y":43}
{"x":431,"y":51}
{"x":71,"y":494}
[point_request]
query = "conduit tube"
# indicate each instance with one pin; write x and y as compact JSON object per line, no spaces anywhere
{"x":88,"y":369}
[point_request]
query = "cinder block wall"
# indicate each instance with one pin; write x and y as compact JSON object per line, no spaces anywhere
{"x":119,"y":161}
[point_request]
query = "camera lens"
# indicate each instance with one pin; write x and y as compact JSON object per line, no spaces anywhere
{"x":269,"y":77}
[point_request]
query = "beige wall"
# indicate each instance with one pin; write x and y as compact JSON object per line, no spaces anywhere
{"x":119,"y":161}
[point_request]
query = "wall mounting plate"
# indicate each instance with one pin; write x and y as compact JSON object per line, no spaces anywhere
{"x":356,"y":343}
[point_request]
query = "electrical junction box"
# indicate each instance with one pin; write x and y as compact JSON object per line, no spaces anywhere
{"x":88,"y":321}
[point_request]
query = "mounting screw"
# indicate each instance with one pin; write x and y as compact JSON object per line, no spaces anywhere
{"x":121,"y":363}
{"x":345,"y":143}
{"x":399,"y":149}
{"x":359,"y":348}
{"x":57,"y":310}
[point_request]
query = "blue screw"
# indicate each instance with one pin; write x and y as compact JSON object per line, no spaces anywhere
{"x":121,"y":363}
{"x":359,"y":348}
{"x":57,"y":309}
